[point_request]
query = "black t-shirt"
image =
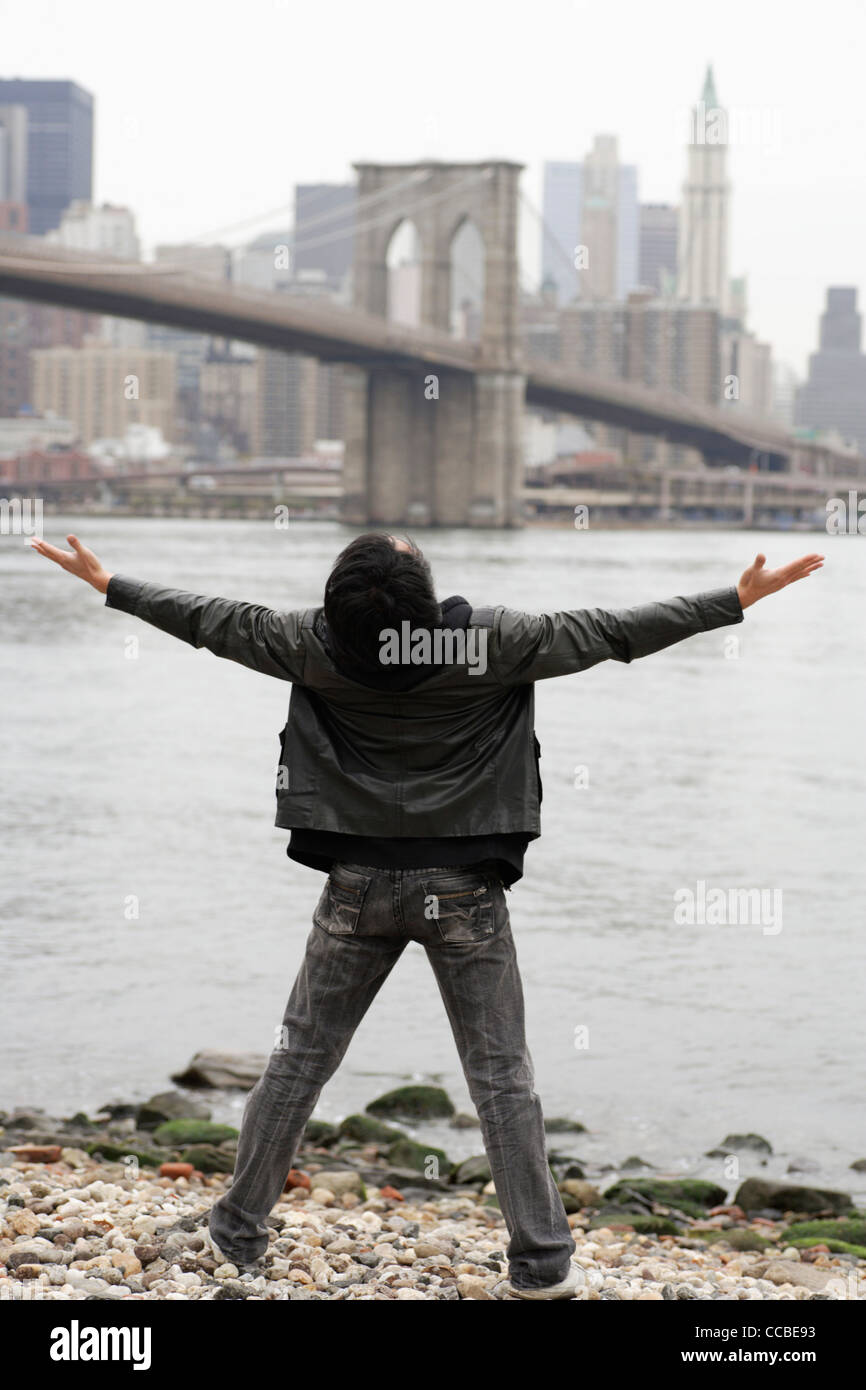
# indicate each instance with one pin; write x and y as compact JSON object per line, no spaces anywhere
{"x":319,"y":849}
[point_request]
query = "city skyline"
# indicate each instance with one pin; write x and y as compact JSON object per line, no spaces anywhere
{"x":409,"y":100}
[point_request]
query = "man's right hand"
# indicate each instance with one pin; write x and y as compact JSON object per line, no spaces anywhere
{"x":78,"y":561}
{"x":757,"y":582}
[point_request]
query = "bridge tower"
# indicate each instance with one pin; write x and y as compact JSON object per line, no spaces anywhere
{"x":443,"y":449}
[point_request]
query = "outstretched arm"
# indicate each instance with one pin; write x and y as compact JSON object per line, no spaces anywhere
{"x":257,"y":637}
{"x":534,"y":647}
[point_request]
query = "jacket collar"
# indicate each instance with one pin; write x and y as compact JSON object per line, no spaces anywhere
{"x":456,"y":612}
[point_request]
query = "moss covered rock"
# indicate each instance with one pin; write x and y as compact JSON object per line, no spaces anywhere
{"x":756,"y":1194}
{"x":320,"y":1134}
{"x":207,"y":1158}
{"x":170,"y":1105}
{"x":405,"y":1153}
{"x":193,"y":1132}
{"x":365,"y":1129}
{"x":475,"y":1169}
{"x":819,"y":1232}
{"x":116,"y":1153}
{"x":578,"y":1191}
{"x":691,"y":1195}
{"x":735,"y":1143}
{"x":413,"y":1103}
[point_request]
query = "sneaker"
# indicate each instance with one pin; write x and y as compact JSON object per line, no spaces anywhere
{"x":567,"y":1288}
{"x":241,"y":1265}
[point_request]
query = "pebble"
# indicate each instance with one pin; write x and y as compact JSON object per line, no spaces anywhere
{"x":84,"y":1229}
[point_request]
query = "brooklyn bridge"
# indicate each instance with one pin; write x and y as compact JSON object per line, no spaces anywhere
{"x":433,"y":422}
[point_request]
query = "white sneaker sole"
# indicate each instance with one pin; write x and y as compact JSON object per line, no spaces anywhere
{"x":574,"y":1280}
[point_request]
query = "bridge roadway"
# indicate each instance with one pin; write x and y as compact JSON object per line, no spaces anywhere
{"x":35,"y":270}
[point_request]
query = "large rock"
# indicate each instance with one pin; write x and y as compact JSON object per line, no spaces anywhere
{"x":852,"y":1231}
{"x":340,"y":1181}
{"x":116,"y":1153}
{"x":735,"y":1143}
{"x":178,"y":1132}
{"x":22,"y":1118}
{"x":793,"y":1272}
{"x":558,"y":1125}
{"x":475,"y":1169}
{"x":584,"y":1194}
{"x":207,"y":1158}
{"x":367,"y":1130}
{"x":218,"y":1070}
{"x":691,"y":1195}
{"x":413,"y":1103}
{"x":170,"y":1105}
{"x":757,"y":1194}
{"x":403,"y":1179}
{"x":405,"y":1153}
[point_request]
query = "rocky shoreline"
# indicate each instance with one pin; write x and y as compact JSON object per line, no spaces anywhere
{"x":115,"y":1205}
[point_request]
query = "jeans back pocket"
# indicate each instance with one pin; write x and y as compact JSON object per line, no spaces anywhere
{"x":461,"y":904}
{"x":339,"y":907}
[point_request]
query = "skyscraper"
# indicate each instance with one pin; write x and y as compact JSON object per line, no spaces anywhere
{"x":657,"y":261}
{"x":703,"y":241}
{"x":13,"y":154}
{"x":834,"y":396}
{"x":591,"y":205}
{"x":59,"y":145}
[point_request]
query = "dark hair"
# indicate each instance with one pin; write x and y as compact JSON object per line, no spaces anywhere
{"x":374,"y":586}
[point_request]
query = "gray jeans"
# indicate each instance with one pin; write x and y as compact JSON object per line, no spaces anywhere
{"x":362,"y":922}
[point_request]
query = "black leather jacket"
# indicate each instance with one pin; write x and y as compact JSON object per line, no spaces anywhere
{"x":454,"y":754}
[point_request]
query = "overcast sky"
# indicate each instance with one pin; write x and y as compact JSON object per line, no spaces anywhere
{"x":209,"y":111}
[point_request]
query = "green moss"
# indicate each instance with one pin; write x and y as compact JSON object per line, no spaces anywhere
{"x":414,"y":1102}
{"x":116,"y":1153}
{"x":209,"y":1159}
{"x":405,"y":1153}
{"x":364,"y":1129}
{"x":851,"y":1230}
{"x":691,"y":1195}
{"x":837,"y":1247}
{"x":193,"y":1132}
{"x":320,"y":1134}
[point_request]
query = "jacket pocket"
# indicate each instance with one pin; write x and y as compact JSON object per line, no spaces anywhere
{"x":536,"y":748}
{"x":339,"y":907}
{"x":462,"y":905}
{"x":282,"y":779}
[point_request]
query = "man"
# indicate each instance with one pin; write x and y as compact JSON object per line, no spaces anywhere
{"x":409,"y":774}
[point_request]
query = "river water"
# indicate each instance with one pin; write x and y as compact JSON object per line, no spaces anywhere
{"x":148,"y":778}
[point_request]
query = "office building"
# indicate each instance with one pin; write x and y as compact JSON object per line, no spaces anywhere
{"x":702,"y":258}
{"x":834,"y":395}
{"x":104,"y":389}
{"x":591,"y":218}
{"x":59,"y":146}
{"x":657,"y":248}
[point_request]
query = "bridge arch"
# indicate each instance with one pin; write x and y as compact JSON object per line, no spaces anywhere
{"x":466,"y":261}
{"x":403,"y":265}
{"x":440,"y":199}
